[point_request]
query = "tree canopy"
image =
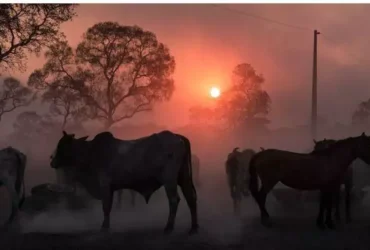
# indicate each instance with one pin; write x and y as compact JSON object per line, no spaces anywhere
{"x":14,"y":95}
{"x":28,"y":28}
{"x":361,"y":115}
{"x":117,"y":71}
{"x":243,"y":104}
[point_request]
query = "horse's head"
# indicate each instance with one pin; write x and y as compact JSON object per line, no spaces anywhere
{"x":362,"y":147}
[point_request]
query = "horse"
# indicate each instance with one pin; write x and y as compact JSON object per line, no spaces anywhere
{"x":348,"y":183}
{"x":236,"y":166}
{"x":106,"y":164}
{"x":322,"y":171}
{"x":12,"y":168}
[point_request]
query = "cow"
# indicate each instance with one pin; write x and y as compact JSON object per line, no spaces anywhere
{"x":106,"y":164}
{"x":12,"y":168}
{"x":237,"y":165}
{"x":195,"y":162}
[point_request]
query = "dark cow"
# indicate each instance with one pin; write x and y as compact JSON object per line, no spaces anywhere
{"x":237,"y":165}
{"x":195,"y":162}
{"x":12,"y":168}
{"x":107,"y":164}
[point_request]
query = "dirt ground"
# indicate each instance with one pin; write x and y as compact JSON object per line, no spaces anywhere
{"x":141,"y":228}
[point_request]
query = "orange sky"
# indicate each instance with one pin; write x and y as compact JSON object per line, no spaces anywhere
{"x":208,"y":42}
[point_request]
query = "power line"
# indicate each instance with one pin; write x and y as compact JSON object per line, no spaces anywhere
{"x":251,"y":15}
{"x":262,"y":18}
{"x":348,"y":53}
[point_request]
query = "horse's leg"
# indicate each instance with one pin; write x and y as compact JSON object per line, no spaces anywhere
{"x":262,"y":195}
{"x":337,"y":201}
{"x":329,"y":205}
{"x":107,"y":200}
{"x":320,"y":217}
{"x":173,"y":202}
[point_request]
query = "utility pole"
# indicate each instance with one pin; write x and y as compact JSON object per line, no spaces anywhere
{"x":314,"y":87}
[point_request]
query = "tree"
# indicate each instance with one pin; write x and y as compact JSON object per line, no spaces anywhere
{"x":14,"y":95}
{"x":66,"y":103}
{"x":118,"y":71}
{"x":245,"y":102}
{"x":30,"y":126}
{"x":362,"y":114}
{"x":28,"y":28}
{"x":200,"y":115}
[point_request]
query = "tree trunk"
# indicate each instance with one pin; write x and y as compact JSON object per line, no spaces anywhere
{"x":108,"y":123}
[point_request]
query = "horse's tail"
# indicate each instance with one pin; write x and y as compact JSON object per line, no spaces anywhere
{"x":253,"y":178}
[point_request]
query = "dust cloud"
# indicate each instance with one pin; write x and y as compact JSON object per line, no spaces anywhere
{"x":215,"y":211}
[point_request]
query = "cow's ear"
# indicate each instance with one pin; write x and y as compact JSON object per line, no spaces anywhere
{"x":83,"y":138}
{"x":314,"y":141}
{"x":65,"y":133}
{"x":72,"y":135}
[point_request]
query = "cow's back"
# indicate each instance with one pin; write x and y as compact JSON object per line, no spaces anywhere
{"x":143,"y":158}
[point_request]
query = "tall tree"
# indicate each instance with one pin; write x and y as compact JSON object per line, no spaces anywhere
{"x":65,"y":103}
{"x":30,"y":126}
{"x":361,"y":116}
{"x":245,"y":102}
{"x":201,"y":115}
{"x":27,"y":28}
{"x":117,"y":70}
{"x":14,"y":95}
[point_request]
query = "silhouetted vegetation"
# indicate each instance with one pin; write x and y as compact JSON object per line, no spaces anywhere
{"x":14,"y":95}
{"x":118,"y":71}
{"x":26,"y":28}
{"x":361,"y":115}
{"x":243,"y":105}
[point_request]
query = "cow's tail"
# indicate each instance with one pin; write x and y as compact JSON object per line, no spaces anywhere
{"x":22,"y":161}
{"x":188,"y":166}
{"x":14,"y":198}
{"x":253,"y":177}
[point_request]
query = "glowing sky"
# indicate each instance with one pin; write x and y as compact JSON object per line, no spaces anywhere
{"x":208,"y":42}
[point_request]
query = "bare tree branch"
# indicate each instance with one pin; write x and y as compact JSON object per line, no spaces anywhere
{"x":27,"y":28}
{"x":13,"y":96}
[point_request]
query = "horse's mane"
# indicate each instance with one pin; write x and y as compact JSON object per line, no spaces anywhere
{"x":334,"y":146}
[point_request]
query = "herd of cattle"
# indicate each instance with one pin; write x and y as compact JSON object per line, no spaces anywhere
{"x":106,"y":164}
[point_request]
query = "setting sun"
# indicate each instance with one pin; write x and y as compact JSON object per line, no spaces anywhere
{"x":215,"y":92}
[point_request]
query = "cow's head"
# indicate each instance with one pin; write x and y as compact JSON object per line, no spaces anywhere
{"x":68,"y":151}
{"x":323,"y":144}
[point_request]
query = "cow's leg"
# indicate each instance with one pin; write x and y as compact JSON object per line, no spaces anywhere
{"x":107,"y":200}
{"x":119,"y":198}
{"x":237,"y":204}
{"x":173,"y":201}
{"x":190,"y":195}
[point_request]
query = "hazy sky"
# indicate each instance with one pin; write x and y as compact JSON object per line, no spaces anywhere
{"x":209,"y":41}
